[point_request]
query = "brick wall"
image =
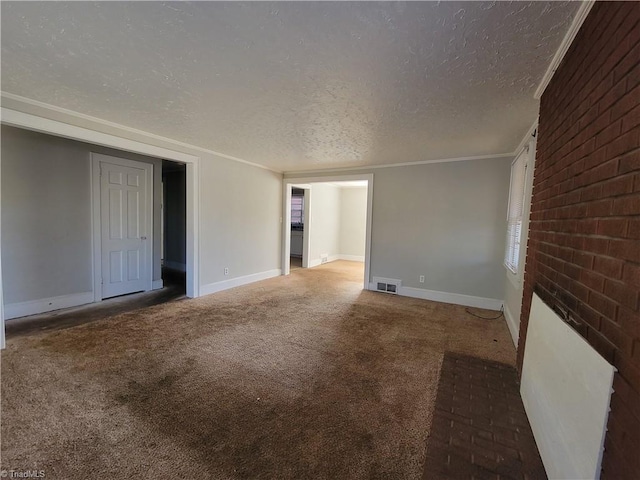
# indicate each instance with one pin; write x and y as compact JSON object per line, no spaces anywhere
{"x":584,"y":239}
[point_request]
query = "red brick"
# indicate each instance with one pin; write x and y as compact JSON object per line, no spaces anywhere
{"x":630,"y":162}
{"x":603,"y":346}
{"x":617,"y":336}
{"x":582,"y":259}
{"x":631,"y":274}
{"x":609,"y":267}
{"x":621,"y":293}
{"x":626,"y":103}
{"x":629,"y":321}
{"x":602,"y":304}
{"x":626,"y":394}
{"x":600,"y":208}
{"x":621,"y":145}
{"x":633,"y":78}
{"x":592,"y":280}
{"x":589,"y":315}
{"x":627,"y":205}
{"x":631,"y":120}
{"x":612,"y":95}
{"x":634,"y":228}
{"x":625,"y":249}
{"x":616,"y":465}
{"x":612,"y":227}
{"x":592,"y":192}
{"x":606,"y":170}
{"x":617,"y":186}
{"x":596,"y":245}
{"x":608,"y":134}
{"x":596,"y":158}
{"x":630,"y":372}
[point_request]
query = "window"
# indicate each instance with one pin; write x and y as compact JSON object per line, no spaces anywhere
{"x":516,"y":207}
{"x":297,"y":209}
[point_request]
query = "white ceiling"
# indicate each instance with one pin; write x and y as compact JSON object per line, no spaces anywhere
{"x":294,"y":86}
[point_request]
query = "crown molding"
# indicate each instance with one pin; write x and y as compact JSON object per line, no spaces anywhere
{"x":404,"y":164}
{"x":150,"y":137}
{"x":578,"y":20}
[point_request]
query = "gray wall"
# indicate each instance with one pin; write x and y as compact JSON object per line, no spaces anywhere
{"x":353,"y":220}
{"x":240,"y":211}
{"x":446,"y":221}
{"x":324,"y":231}
{"x":46,"y":215}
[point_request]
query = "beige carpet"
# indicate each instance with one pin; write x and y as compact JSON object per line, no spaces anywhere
{"x":297,"y":377}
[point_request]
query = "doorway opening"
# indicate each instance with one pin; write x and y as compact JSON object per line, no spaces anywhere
{"x":174,"y":225}
{"x":327,"y":219}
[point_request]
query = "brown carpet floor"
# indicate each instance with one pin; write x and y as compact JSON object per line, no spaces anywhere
{"x":300,"y":377}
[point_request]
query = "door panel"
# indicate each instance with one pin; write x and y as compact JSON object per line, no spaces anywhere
{"x":125,"y":240}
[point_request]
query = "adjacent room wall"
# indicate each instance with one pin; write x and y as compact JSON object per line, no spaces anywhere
{"x":353,"y":222}
{"x":324,"y":224}
{"x":584,"y":243}
{"x":46,"y":200}
{"x":446,"y":221}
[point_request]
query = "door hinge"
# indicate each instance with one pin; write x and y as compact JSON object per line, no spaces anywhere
{"x":102,"y":281}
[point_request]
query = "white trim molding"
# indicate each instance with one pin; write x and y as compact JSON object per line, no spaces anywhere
{"x":157,"y":284}
{"x":578,"y":20}
{"x":238,"y":281}
{"x":43,"y":305}
{"x":351,"y":258}
{"x":446,"y":297}
{"x":403,"y":164}
{"x":512,"y":324}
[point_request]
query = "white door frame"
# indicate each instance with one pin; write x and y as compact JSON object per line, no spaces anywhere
{"x":96,"y":220}
{"x":286,"y":224}
{"x":35,"y":123}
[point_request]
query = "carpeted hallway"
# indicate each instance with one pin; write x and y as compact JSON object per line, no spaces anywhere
{"x":305,"y":376}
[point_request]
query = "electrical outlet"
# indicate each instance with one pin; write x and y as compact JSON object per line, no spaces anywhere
{"x":226,"y":270}
{"x":421,"y":278}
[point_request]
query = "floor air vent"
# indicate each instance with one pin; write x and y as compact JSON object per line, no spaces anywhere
{"x":386,"y":285}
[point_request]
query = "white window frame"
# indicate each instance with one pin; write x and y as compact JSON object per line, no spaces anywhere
{"x":515,"y":211}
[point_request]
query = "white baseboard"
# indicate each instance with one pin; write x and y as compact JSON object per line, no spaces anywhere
{"x":157,"y":284}
{"x":238,"y":281}
{"x":446,"y":297}
{"x":33,"y":307}
{"x":181,"y":267}
{"x":512,"y":324}
{"x":351,"y":258}
{"x":332,"y":258}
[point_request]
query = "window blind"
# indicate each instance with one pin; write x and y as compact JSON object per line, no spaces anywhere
{"x":516,"y":208}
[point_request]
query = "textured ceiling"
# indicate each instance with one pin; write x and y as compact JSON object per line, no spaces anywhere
{"x":298,"y":85}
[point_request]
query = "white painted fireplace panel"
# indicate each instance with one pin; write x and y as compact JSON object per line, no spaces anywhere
{"x":566,"y":389}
